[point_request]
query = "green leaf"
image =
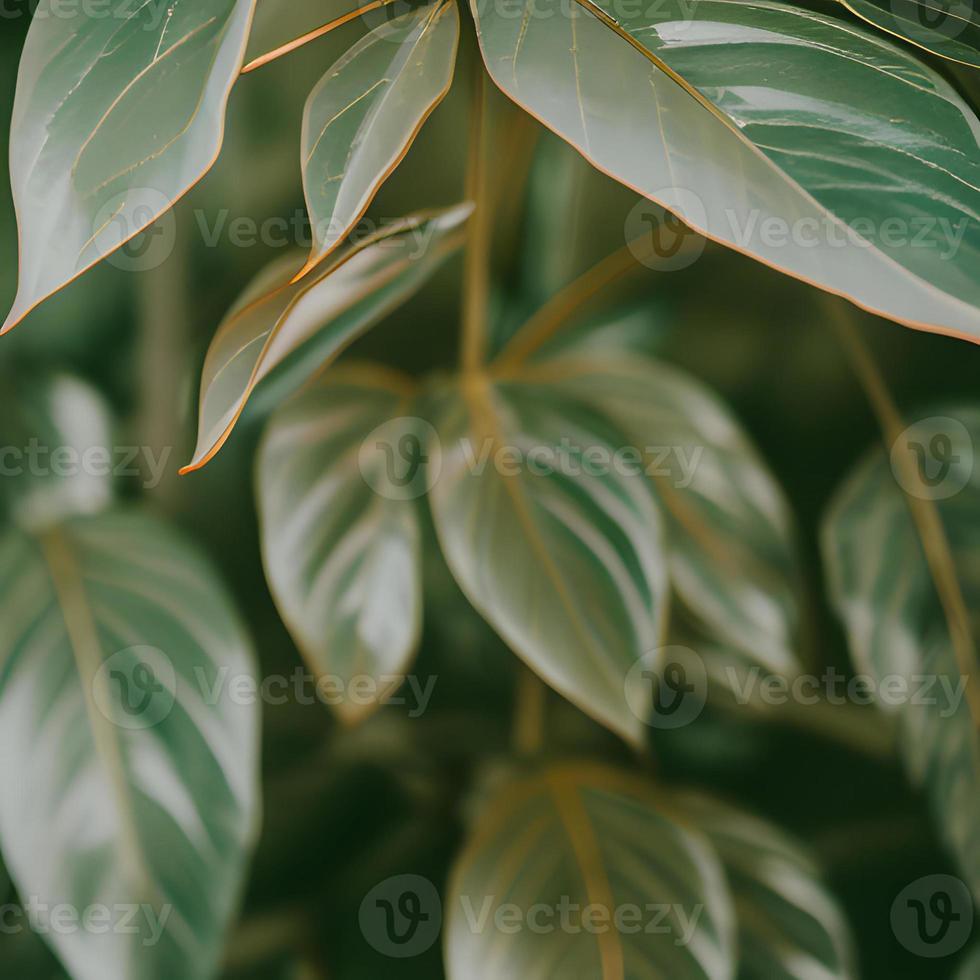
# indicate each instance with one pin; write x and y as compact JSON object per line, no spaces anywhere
{"x":970,"y":968}
{"x":580,"y":837}
{"x":902,"y":633}
{"x":365,"y":113}
{"x":294,"y":328}
{"x":57,"y":457}
{"x":563,"y":558}
{"x":129,"y":781}
{"x":950,"y":30}
{"x":789,"y":925}
{"x":117,"y":115}
{"x":343,"y":563}
{"x":815,"y":147}
{"x":730,"y":542}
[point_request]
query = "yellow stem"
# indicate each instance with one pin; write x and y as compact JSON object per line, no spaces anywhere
{"x":529,"y":710}
{"x":314,"y":35}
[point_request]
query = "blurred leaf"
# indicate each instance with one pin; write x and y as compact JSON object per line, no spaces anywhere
{"x":576,"y":841}
{"x":789,"y":926}
{"x":743,"y":117}
{"x":949,"y":29}
{"x":297,"y":328}
{"x":732,"y":554}
{"x":117,"y":115}
{"x":897,"y":621}
{"x":344,"y":563}
{"x":56,"y":448}
{"x":365,"y":113}
{"x":562,"y":557}
{"x":127,"y":782}
{"x":970,"y":968}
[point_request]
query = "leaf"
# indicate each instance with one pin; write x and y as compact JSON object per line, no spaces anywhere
{"x":57,"y":457}
{"x":970,"y":967}
{"x":884,"y":591}
{"x":563,"y":558}
{"x":126,"y":783}
{"x":117,"y":115}
{"x":789,"y":925}
{"x":343,"y":563}
{"x":801,"y":140}
{"x":948,"y":29}
{"x":365,"y":113}
{"x":577,"y":837}
{"x":295,"y":328}
{"x":730,"y":542}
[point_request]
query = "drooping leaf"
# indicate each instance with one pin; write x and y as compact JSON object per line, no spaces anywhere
{"x":130,"y":779}
{"x":118,"y":113}
{"x":365,"y":113}
{"x":557,"y":548}
{"x":789,"y":925}
{"x":812,"y":145}
{"x":57,"y":457}
{"x":730,"y":541}
{"x":950,"y":30}
{"x":296,"y":328}
{"x":343,"y":556}
{"x":902,"y":630}
{"x":577,"y":872}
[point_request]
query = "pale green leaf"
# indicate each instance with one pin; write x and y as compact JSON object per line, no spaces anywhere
{"x":789,"y":925}
{"x":296,"y":328}
{"x":563,"y":558}
{"x":129,"y":778}
{"x":118,"y":113}
{"x":365,"y":113}
{"x":808,"y":143}
{"x":576,"y":837}
{"x":897,"y":625}
{"x":343,"y":561}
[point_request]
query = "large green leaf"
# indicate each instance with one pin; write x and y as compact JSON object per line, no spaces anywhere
{"x":118,"y":113}
{"x":558,"y":549}
{"x":730,"y":541}
{"x":949,"y":29}
{"x":129,"y":778}
{"x":789,"y":926}
{"x":343,"y":563}
{"x":365,"y":113}
{"x":577,"y":872}
{"x":810,"y":144}
{"x":296,"y":327}
{"x":901,"y":629}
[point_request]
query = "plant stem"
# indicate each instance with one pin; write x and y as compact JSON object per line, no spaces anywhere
{"x":476,"y":274}
{"x":925,"y":515}
{"x":313,"y":35}
{"x":529,"y":710}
